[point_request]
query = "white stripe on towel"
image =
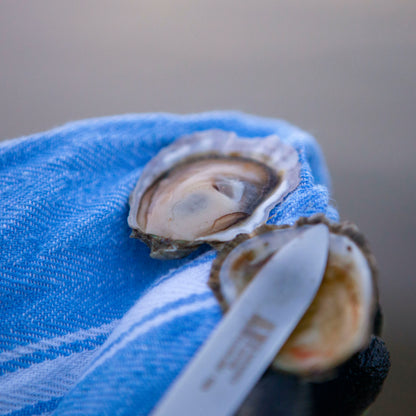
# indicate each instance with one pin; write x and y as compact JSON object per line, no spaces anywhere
{"x":151,"y":324}
{"x":46,"y":344}
{"x":171,"y":287}
{"x":41,"y":382}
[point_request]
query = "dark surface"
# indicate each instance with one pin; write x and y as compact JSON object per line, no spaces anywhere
{"x":349,"y":392}
{"x":359,"y":382}
{"x":345,"y":71}
{"x":278,"y":394}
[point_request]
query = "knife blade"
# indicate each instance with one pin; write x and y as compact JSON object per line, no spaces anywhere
{"x":257,"y":325}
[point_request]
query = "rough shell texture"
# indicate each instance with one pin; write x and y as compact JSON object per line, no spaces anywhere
{"x":300,"y":355}
{"x":269,"y":153}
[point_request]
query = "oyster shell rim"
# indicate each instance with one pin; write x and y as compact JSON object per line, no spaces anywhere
{"x":344,"y":228}
{"x":288,"y":172}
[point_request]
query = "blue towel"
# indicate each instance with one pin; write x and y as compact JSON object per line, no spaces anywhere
{"x":90,"y":324}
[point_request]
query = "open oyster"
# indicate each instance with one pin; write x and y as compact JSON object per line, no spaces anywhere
{"x":209,"y":187}
{"x":341,"y":318}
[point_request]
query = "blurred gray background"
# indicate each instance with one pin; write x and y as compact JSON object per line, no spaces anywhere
{"x":343,"y":70}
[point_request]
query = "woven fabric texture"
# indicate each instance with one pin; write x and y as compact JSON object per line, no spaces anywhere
{"x":90,"y":324}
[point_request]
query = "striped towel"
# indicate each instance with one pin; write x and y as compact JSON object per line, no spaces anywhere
{"x":90,"y":324}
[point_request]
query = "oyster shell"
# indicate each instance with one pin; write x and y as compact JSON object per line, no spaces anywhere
{"x":341,"y":318}
{"x":209,"y":187}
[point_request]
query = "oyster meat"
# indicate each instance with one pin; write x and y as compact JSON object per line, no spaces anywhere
{"x":340,"y":320}
{"x":209,"y":187}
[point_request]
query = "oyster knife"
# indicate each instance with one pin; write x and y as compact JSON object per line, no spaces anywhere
{"x":257,"y":325}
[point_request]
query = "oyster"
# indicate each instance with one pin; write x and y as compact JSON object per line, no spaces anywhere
{"x":209,"y":187}
{"x":341,"y":318}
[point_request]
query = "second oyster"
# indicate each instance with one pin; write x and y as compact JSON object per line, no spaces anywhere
{"x":209,"y":187}
{"x":341,"y":318}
